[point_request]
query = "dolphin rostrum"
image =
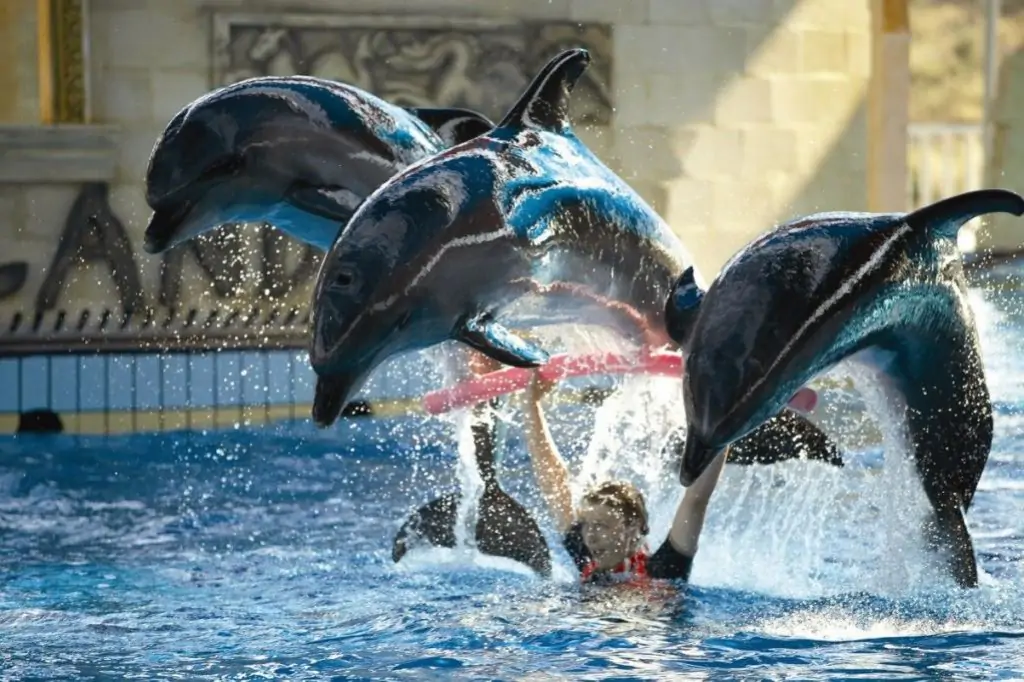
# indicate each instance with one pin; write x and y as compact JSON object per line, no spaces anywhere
{"x":885,"y":290}
{"x":298,"y":152}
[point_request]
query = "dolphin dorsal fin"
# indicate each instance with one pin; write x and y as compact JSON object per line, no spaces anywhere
{"x":945,"y":218}
{"x":452,"y":124}
{"x":545,"y":103}
{"x":682,"y":306}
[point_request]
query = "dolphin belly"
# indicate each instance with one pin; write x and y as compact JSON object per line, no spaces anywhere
{"x":306,"y":227}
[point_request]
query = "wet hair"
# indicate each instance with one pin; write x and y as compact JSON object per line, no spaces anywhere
{"x":623,"y":497}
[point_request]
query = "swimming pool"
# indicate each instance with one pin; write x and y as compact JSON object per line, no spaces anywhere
{"x":265,"y":554}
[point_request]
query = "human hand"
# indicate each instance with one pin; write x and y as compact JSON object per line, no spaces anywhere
{"x":539,"y":386}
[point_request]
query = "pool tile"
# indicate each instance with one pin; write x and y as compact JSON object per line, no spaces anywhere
{"x":64,"y":384}
{"x":253,"y":376}
{"x":229,"y":384}
{"x":305,"y":378}
{"x":147,"y":382}
{"x":122,"y":382}
{"x":35,"y":383}
{"x":200,"y":381}
{"x":10,"y":393}
{"x":280,"y":377}
{"x":175,"y":383}
{"x":92,"y":382}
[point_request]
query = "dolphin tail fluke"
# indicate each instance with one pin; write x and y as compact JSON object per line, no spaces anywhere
{"x":507,"y":530}
{"x":504,"y":529}
{"x":682,"y":306}
{"x":946,"y":217}
{"x":432,"y":524}
{"x":545,"y":103}
{"x":785,"y":437}
{"x":453,"y":125}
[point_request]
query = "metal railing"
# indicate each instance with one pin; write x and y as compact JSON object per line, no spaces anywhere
{"x":943,"y":159}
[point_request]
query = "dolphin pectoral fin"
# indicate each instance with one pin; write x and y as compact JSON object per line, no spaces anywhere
{"x":946,"y":217}
{"x":453,"y":125}
{"x":784,"y":437}
{"x":333,"y":203}
{"x":545,"y":103}
{"x":682,"y":306}
{"x":498,"y":343}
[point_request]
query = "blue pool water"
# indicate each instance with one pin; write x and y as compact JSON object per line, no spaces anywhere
{"x":265,"y":554}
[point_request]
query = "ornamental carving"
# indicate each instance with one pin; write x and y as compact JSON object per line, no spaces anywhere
{"x":416,"y":61}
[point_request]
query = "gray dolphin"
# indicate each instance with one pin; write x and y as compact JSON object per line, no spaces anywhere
{"x":887,"y":290}
{"x":297,"y":152}
{"x":518,"y":227}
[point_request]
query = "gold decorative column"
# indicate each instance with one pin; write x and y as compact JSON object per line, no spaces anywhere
{"x":63,"y":79}
{"x":888,"y":105}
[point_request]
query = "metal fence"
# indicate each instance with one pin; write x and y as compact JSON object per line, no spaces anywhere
{"x":943,"y":159}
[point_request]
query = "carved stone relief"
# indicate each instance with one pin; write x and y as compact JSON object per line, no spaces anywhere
{"x":416,"y":61}
{"x":93,"y":233}
{"x":12,"y":278}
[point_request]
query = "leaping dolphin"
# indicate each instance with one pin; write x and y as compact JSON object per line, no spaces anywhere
{"x":298,"y":152}
{"x":887,"y":290}
{"x":467,"y":243}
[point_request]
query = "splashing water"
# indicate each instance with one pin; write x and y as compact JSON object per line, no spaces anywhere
{"x":265,"y":553}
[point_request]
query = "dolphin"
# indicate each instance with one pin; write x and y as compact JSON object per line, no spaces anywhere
{"x":298,"y":152}
{"x":886,"y":290}
{"x":504,"y":528}
{"x":517,"y":227}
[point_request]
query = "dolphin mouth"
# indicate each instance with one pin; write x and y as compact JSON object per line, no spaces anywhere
{"x":697,"y":456}
{"x":162,"y":231}
{"x":332,"y":394}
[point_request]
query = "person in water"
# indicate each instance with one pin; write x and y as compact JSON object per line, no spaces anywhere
{"x":606,"y":533}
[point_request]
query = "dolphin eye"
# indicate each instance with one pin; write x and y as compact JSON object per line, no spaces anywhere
{"x":345,"y":278}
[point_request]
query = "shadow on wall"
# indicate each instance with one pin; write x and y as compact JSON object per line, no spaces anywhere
{"x":651,"y":91}
{"x":771,"y":125}
{"x":839,"y":183}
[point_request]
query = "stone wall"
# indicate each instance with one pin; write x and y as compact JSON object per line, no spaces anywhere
{"x":19,"y":78}
{"x":727,"y":115}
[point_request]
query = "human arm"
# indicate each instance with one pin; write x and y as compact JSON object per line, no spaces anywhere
{"x":548,"y":467}
{"x":674,"y":558}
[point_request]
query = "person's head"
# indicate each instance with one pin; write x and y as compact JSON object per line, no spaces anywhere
{"x":613,"y":520}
